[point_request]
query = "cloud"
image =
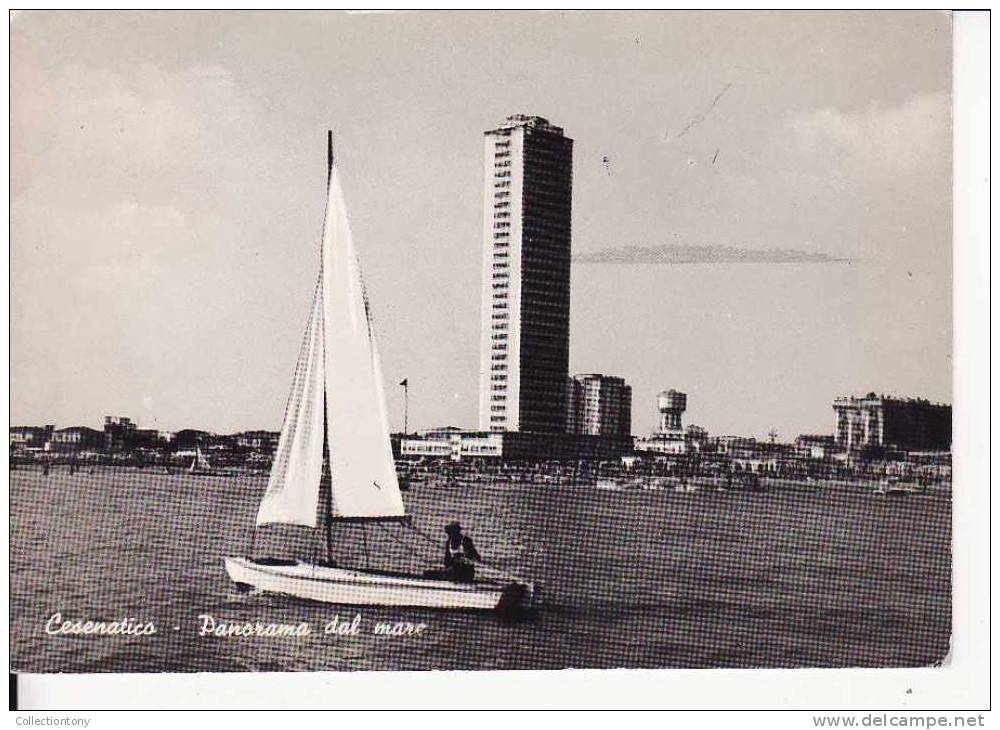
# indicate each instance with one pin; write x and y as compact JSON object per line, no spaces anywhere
{"x":130,"y":247}
{"x":876,"y":143}
{"x":122,"y":124}
{"x":674,"y":254}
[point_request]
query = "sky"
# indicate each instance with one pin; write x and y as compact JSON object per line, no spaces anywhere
{"x":168,"y":181}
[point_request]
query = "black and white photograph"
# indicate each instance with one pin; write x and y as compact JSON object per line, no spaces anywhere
{"x":468,"y":340}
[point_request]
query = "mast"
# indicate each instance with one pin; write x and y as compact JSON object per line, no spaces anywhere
{"x":327,"y":470}
{"x":327,"y":476}
{"x":329,"y":158}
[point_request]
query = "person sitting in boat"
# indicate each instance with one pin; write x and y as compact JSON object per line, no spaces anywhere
{"x":460,"y":554}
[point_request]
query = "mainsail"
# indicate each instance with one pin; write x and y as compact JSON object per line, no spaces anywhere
{"x":362,"y":469}
{"x":338,"y":372}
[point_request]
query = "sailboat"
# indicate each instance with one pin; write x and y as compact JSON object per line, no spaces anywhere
{"x":334,"y":455}
{"x":202,"y":467}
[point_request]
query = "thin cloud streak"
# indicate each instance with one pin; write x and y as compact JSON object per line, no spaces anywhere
{"x":672,"y":254}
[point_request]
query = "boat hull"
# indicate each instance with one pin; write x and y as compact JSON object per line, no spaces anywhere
{"x":361,"y":588}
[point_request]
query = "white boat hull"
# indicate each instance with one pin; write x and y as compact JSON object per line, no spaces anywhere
{"x":361,"y":588}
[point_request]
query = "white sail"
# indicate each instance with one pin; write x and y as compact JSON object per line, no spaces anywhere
{"x":338,"y":369}
{"x":362,"y":469}
{"x":293,"y":488}
{"x":199,"y":461}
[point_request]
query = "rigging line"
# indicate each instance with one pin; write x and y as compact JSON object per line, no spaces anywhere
{"x":424,"y":535}
{"x":392,"y":537}
{"x":431,"y":540}
{"x":253,"y":540}
{"x":364,"y":541}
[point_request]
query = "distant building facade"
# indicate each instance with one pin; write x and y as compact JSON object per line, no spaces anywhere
{"x":121,"y":437}
{"x":908,"y":424}
{"x":122,"y":434}
{"x":452,"y":443}
{"x":30,"y":437}
{"x":118,"y":433}
{"x":736,"y":446}
{"x":598,"y":405}
{"x":816,"y":446}
{"x":261,"y":441}
{"x":511,"y":446}
{"x":189,"y":438}
{"x":696,"y":436}
{"x":671,"y":442}
{"x":527,"y":205}
{"x":77,"y":438}
{"x":145,"y":438}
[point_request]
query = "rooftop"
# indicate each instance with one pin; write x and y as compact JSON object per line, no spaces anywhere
{"x":597,"y":376}
{"x":881,"y":398}
{"x":527,"y":120}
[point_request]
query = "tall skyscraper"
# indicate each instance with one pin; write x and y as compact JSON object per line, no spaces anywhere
{"x":527,"y":203}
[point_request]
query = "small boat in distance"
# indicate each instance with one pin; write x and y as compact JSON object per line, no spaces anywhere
{"x":202,"y":467}
{"x":334,"y":455}
{"x":893,"y":487}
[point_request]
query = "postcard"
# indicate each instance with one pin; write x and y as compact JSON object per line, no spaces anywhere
{"x":480,"y":341}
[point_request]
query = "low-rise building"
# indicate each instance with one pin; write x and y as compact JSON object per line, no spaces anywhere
{"x":144,"y":438}
{"x":697,"y":437}
{"x":30,"y":437}
{"x":122,"y":434}
{"x":666,"y":442}
{"x":736,"y":446}
{"x":76,"y":438}
{"x":458,"y":445}
{"x":452,"y":443}
{"x":261,"y":441}
{"x":881,"y":422}
{"x":118,"y":432}
{"x":188,"y":438}
{"x":816,"y":446}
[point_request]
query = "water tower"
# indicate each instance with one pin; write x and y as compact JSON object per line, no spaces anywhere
{"x":671,"y":405}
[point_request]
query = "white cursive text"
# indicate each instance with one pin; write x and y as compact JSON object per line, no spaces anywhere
{"x":124,"y":627}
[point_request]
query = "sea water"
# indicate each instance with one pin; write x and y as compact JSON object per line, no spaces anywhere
{"x":822,"y":575}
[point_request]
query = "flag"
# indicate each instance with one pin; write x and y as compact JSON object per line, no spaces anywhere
{"x":404,"y":382}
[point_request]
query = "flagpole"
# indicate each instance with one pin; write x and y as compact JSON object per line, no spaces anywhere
{"x":406,"y":405}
